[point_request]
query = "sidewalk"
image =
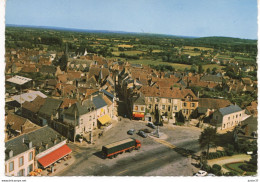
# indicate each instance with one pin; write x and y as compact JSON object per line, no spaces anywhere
{"x":59,"y":166}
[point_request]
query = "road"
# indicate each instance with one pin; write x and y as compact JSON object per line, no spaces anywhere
{"x":161,"y":158}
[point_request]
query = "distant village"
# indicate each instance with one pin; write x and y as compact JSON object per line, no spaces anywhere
{"x":80,"y":103}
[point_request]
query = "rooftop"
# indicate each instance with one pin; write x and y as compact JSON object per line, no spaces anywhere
{"x":19,"y":80}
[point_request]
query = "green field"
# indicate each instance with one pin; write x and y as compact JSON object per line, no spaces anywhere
{"x":130,"y":53}
{"x":175,"y":65}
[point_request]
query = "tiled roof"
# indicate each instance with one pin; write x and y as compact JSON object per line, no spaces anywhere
{"x":99,"y":102}
{"x":66,"y":102}
{"x":80,"y":109}
{"x":50,"y":107}
{"x":44,"y":135}
{"x":167,"y":93}
{"x":230,"y":109}
{"x":213,"y":103}
{"x":30,"y":96}
{"x":35,"y":105}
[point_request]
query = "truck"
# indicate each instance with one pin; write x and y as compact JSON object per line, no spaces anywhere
{"x":119,"y":147}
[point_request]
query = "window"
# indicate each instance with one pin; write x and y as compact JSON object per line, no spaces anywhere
{"x":142,"y":108}
{"x":192,"y":104}
{"x":21,"y":172}
{"x":163,"y":107}
{"x":136,"y":108}
{"x":29,"y":169}
{"x":149,"y":106}
{"x":175,"y":108}
{"x":11,"y":166}
{"x":236,"y":116}
{"x":20,"y":161}
{"x":90,"y":118}
{"x":169,"y":100}
{"x":157,"y":99}
{"x":184,"y":104}
{"x":30,"y":156}
{"x":151,"y":99}
{"x":169,"y":108}
{"x":240,"y":115}
{"x":224,"y":126}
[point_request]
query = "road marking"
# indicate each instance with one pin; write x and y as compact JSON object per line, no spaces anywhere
{"x":122,"y":172}
{"x":165,"y":143}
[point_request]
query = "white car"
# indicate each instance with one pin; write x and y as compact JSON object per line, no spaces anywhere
{"x":201,"y":173}
{"x":210,"y":174}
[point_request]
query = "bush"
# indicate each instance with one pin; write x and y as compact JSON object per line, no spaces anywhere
{"x":218,"y":154}
{"x":248,"y":167}
{"x":230,"y":174}
{"x":216,"y":166}
{"x":230,"y":152}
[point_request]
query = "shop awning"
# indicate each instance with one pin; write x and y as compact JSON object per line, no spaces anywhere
{"x":104,"y":119}
{"x":138,"y":115}
{"x":54,"y":156}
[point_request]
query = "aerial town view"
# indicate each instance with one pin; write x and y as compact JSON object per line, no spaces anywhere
{"x":130,"y":88}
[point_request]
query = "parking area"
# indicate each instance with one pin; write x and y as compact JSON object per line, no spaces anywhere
{"x":156,"y":157}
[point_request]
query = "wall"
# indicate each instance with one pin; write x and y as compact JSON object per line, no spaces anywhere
{"x":16,"y":163}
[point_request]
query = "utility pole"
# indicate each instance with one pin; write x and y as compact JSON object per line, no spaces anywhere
{"x":75,"y":125}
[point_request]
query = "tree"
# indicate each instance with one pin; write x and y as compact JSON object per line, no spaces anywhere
{"x":200,"y":69}
{"x":208,"y":71}
{"x":214,"y":70}
{"x":208,"y":138}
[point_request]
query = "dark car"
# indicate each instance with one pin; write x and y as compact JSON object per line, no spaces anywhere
{"x":130,"y":132}
{"x":150,"y":124}
{"x":146,"y":130}
{"x":142,"y":134}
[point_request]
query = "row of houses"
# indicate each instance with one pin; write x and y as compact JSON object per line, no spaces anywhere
{"x":144,"y":90}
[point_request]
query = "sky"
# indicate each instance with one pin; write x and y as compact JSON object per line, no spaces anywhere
{"x":200,"y":18}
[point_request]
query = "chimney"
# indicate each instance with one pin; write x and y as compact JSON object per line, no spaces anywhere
{"x":11,"y":153}
{"x":30,"y":144}
{"x":91,"y":97}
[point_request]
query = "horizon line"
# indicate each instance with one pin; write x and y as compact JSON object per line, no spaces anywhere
{"x":115,"y":31}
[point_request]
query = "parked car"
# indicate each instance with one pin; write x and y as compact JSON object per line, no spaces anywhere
{"x":150,"y":124}
{"x":142,"y":133}
{"x":210,"y":174}
{"x":131,"y":131}
{"x":146,"y":130}
{"x":201,"y":173}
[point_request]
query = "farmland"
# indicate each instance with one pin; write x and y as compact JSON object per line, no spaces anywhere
{"x":147,"y":49}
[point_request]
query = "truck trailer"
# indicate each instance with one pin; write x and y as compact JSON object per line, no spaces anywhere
{"x":113,"y":149}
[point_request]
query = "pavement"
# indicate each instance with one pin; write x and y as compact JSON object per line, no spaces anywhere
{"x":61,"y":166}
{"x":161,"y":157}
